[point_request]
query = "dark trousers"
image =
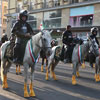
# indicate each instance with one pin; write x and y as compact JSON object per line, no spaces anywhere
{"x":68,"y":54}
{"x":62,"y":53}
{"x":16,"y":51}
{"x":91,"y":58}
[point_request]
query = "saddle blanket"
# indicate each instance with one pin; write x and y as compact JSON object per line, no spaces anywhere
{"x":9,"y":50}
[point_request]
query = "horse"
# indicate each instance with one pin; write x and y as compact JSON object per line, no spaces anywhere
{"x":79,"y":53}
{"x":55,"y":57}
{"x":97,"y":68}
{"x":41,"y":40}
{"x":43,"y":54}
{"x":53,"y":60}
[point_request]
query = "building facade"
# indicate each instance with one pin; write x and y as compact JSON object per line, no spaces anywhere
{"x":0,"y":18}
{"x":57,"y":14}
{"x":4,"y":18}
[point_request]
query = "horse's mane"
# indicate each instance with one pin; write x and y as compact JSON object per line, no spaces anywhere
{"x":36,"y":37}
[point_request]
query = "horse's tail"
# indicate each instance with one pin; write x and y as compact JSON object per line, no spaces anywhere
{"x":3,"y":49}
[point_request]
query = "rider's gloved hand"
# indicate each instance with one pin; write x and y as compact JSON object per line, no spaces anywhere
{"x":28,"y":35}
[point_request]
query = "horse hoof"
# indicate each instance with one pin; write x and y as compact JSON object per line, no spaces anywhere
{"x":83,"y":65}
{"x":26,"y":95}
{"x":77,"y":74}
{"x":73,"y":82}
{"x":16,"y":73}
{"x":42,"y":68}
{"x":32,"y":94}
{"x":20,"y":73}
{"x":55,"y":79}
{"x":4,"y":87}
{"x":46,"y":78}
{"x":97,"y":80}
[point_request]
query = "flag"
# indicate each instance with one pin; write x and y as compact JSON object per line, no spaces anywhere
{"x":42,"y":26}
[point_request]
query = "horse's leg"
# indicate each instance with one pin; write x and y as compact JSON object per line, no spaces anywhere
{"x":77,"y":71}
{"x":47,"y":70}
{"x":5,"y":65}
{"x":16,"y":69}
{"x":42,"y":64}
{"x":83,"y":65}
{"x":74,"y":73}
{"x":93,"y":65}
{"x":52,"y":69}
{"x":32,"y":93}
{"x":46,"y":64}
{"x":97,"y":70}
{"x":26,"y":66}
{"x":19,"y":70}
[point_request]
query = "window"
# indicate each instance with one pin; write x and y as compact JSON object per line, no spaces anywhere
{"x":73,"y":1}
{"x":65,"y":0}
{"x":4,"y":21}
{"x":5,"y":9}
{"x":32,"y":20}
{"x":52,"y":19}
{"x":25,"y":2}
{"x":19,"y":7}
{"x":56,"y":2}
{"x":86,"y":20}
{"x":4,"y":31}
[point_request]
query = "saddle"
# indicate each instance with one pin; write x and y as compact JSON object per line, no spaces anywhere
{"x":9,"y":50}
{"x":57,"y":53}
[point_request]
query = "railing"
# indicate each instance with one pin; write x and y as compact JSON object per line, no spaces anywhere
{"x":43,"y":5}
{"x":51,"y":4}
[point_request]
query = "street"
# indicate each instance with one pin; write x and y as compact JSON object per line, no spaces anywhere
{"x":62,"y":89}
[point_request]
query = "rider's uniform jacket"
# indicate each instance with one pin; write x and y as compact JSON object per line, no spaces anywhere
{"x":67,"y":37}
{"x":20,"y":29}
{"x":94,"y":36}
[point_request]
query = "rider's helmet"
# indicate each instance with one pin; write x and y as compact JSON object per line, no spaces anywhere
{"x":94,"y":29}
{"x":23,"y":13}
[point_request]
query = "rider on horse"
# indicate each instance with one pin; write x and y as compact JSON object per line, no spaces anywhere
{"x":67,"y":39}
{"x":93,"y":35}
{"x":22,"y":30}
{"x":69,"y":42}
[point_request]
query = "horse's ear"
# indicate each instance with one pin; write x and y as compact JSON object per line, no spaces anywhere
{"x":51,"y":31}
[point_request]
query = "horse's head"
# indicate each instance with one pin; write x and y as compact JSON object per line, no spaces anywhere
{"x":94,"y":48}
{"x":46,"y":42}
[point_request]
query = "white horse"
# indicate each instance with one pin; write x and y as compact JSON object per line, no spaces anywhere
{"x":42,"y":40}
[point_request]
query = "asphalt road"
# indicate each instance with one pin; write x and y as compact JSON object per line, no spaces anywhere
{"x":62,"y":89}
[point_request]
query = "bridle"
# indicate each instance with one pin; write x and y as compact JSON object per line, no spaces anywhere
{"x":42,"y":47}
